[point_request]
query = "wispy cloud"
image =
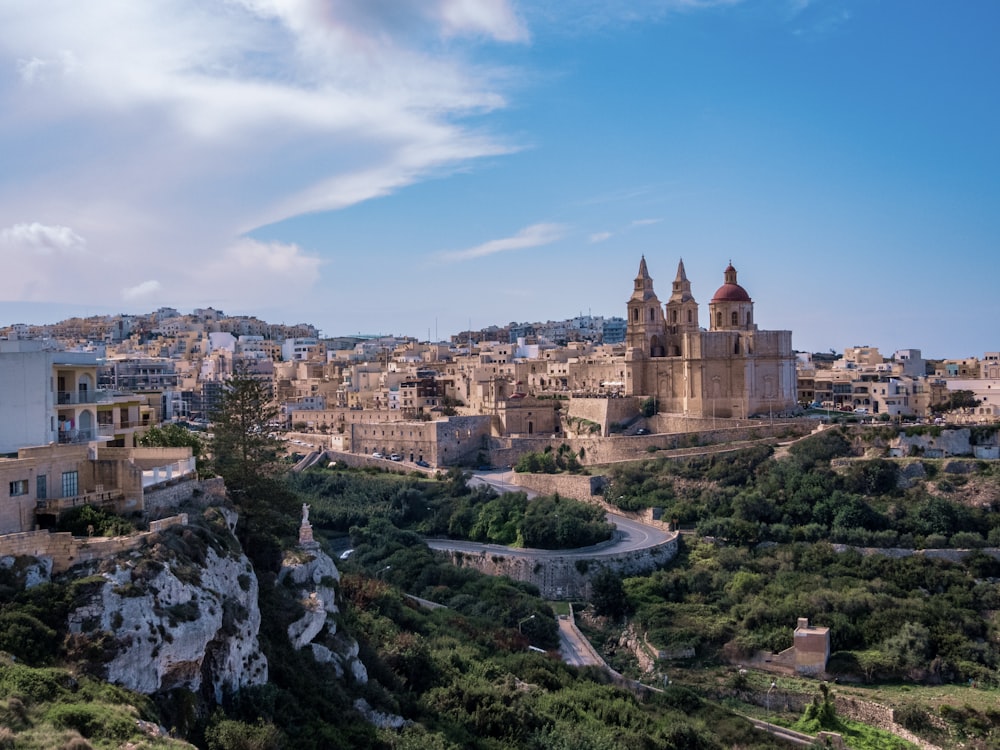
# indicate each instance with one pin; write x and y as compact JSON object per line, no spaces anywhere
{"x":141,"y":291}
{"x":43,"y":239}
{"x":599,"y":237}
{"x":535,"y":235}
{"x":645,"y":222}
{"x":175,"y":128}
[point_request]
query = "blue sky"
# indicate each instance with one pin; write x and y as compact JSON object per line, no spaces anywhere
{"x":414,"y":166}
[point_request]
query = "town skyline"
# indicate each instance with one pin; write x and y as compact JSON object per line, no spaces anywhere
{"x":425,"y":168}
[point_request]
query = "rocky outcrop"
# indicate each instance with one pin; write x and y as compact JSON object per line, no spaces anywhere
{"x":165,"y":619}
{"x":313,"y":575}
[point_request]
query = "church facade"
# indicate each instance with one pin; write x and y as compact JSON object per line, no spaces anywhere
{"x":731,"y":369}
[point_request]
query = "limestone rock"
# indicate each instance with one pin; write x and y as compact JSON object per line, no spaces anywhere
{"x":314,"y":576}
{"x":172,"y":625}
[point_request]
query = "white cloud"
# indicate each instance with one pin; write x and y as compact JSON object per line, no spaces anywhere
{"x":174,"y":127}
{"x":645,"y":222}
{"x":493,"y":17}
{"x":139,"y":291}
{"x":42,"y":239}
{"x":535,"y":235}
{"x":600,"y":237}
{"x":268,"y":258}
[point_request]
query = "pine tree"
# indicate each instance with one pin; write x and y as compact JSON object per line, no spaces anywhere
{"x":247,"y":454}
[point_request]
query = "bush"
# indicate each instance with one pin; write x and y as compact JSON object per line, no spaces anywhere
{"x":92,"y":720}
{"x":237,"y":735}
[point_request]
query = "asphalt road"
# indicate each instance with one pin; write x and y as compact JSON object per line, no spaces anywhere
{"x":574,"y":648}
{"x":629,"y":537}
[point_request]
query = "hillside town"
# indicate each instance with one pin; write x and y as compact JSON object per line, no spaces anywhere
{"x":484,"y":398}
{"x":109,"y":378}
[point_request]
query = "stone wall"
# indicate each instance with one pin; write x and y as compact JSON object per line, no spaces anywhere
{"x":576,"y":486}
{"x":164,"y":500}
{"x":604,"y":411}
{"x":564,"y":576}
{"x":505,"y":451}
{"x":66,"y":550}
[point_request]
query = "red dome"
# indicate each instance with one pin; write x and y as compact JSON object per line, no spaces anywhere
{"x":731,"y":293}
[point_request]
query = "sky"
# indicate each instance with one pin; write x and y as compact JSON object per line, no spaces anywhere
{"x":417,"y":167}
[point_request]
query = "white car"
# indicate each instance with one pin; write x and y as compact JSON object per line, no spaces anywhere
{"x":376,"y":454}
{"x":395,"y":457}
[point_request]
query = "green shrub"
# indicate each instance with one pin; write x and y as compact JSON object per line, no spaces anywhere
{"x":92,"y":720}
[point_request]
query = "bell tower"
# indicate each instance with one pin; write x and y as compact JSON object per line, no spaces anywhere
{"x":645,"y":330}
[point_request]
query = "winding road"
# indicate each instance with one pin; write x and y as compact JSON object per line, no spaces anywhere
{"x":629,"y":536}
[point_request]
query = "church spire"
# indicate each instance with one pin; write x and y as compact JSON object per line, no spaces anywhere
{"x":681,"y":291}
{"x":643,"y":283}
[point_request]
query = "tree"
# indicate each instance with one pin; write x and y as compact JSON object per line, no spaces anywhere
{"x":961,"y":399}
{"x":245,"y":451}
{"x":172,"y":435}
{"x":608,"y":594}
{"x":247,"y":455}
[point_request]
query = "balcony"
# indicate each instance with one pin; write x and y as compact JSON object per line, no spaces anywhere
{"x":75,"y":436}
{"x":110,"y":430}
{"x":98,"y":497}
{"x":84,"y":397}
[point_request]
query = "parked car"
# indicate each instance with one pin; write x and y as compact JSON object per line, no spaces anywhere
{"x":395,"y":457}
{"x":642,"y":431}
{"x":376,"y":454}
{"x":423,"y":464}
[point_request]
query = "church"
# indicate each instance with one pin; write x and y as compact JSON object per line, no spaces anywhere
{"x":732,"y":369}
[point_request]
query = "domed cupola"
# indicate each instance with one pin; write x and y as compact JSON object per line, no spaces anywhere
{"x":731,"y":307}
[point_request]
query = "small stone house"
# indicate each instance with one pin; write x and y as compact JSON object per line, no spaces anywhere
{"x":812,"y":647}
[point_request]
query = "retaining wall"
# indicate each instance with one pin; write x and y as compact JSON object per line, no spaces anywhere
{"x":564,"y":576}
{"x":66,"y":550}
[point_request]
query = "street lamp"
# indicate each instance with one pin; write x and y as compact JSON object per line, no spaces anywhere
{"x":379,"y":573}
{"x":521,"y":622}
{"x":773,"y":686}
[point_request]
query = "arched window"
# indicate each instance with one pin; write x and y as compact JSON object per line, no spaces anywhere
{"x":718,"y":319}
{"x":749,"y":317}
{"x":736,"y":318}
{"x":635,"y":314}
{"x":673,"y":316}
{"x":690,"y":316}
{"x":652,"y":314}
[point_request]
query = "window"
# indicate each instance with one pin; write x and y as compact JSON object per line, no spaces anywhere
{"x":19,"y":487}
{"x":70,"y":483}
{"x":736,"y":318}
{"x":689,"y":316}
{"x":42,"y":486}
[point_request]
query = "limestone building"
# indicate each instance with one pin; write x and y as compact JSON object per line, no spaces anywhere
{"x":732,"y":369}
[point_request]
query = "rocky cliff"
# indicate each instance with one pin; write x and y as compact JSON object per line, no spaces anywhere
{"x":313,"y":576}
{"x":181,"y":612}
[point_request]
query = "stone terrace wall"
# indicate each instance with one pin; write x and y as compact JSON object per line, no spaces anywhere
{"x":66,"y":550}
{"x":506,"y":451}
{"x":165,"y":500}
